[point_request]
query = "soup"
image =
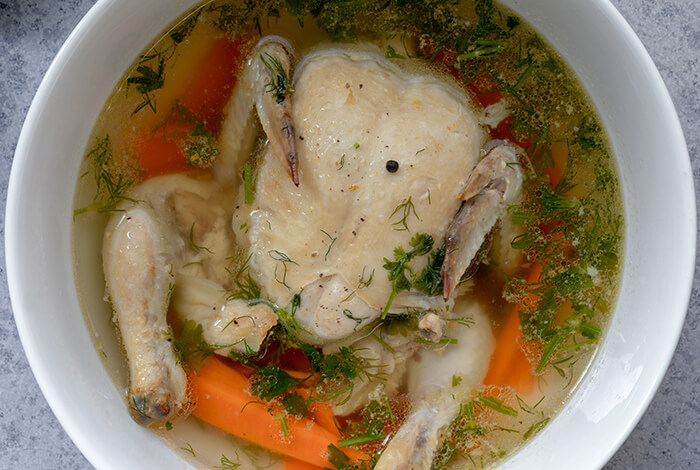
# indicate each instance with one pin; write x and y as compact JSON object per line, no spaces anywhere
{"x":356,"y":236}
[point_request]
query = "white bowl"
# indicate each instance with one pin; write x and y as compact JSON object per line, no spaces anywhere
{"x":659,"y":253}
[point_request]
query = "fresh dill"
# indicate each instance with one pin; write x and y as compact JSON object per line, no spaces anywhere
{"x":227,"y":464}
{"x":285,"y":260}
{"x":535,"y":428}
{"x":392,"y":54}
{"x":404,"y":210}
{"x":247,"y":287}
{"x":193,"y":245}
{"x":341,"y":162}
{"x":111,"y":187}
{"x":348,"y":314}
{"x":148,"y":78}
{"x":464,"y":321}
{"x":376,"y":416}
{"x":362,"y":283}
{"x":496,"y":405}
{"x":330,"y":245}
{"x":189,"y":449}
{"x":279,"y":84}
{"x":201,"y":148}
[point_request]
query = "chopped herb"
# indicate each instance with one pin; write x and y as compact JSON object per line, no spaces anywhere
{"x":332,"y":239}
{"x":341,"y":163}
{"x":280,"y":417}
{"x":553,"y":202}
{"x":271,"y":382}
{"x":182,"y":30}
{"x":150,"y":79}
{"x":356,"y":145}
{"x":405,"y":209}
{"x":227,"y":464}
{"x":284,"y":259}
{"x":443,"y":341}
{"x":279,"y":84}
{"x":392,"y":54}
{"x":430,"y":278}
{"x":359,"y":440}
{"x":193,"y":245}
{"x":535,"y":428}
{"x":497,"y":405}
{"x":168,"y":426}
{"x":201,"y":148}
{"x":348,"y":314}
{"x":139,"y":406}
{"x":247,"y":288}
{"x":295,"y":404}
{"x":111,"y":188}
{"x":421,"y":244}
{"x":189,"y":449}
{"x":456,"y":380}
{"x":464,"y":321}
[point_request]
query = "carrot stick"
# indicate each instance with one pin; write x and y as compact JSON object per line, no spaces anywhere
{"x":210,"y":88}
{"x":509,"y":366}
{"x":294,"y":464}
{"x":222,"y":398}
{"x":161,"y":155}
{"x":322,"y":413}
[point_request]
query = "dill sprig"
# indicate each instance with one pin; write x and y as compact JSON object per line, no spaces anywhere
{"x":247,"y":287}
{"x":111,"y":187}
{"x":405,"y":209}
{"x":330,"y":245}
{"x":193,"y":245}
{"x":149,"y":78}
{"x":284,"y":259}
{"x":279,"y":84}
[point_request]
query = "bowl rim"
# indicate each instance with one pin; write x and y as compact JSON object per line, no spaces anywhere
{"x":40,"y":361}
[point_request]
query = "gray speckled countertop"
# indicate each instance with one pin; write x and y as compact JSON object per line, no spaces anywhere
{"x":31,"y":32}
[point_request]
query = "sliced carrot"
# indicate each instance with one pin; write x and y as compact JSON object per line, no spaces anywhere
{"x":321,"y":412}
{"x":222,"y":398}
{"x":294,"y":464}
{"x":509,"y":365}
{"x":162,"y":152}
{"x":210,"y":88}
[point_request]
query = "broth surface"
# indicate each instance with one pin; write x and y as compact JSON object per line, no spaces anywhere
{"x":568,"y":227}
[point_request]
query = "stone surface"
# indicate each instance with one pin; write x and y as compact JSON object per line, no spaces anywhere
{"x":31,"y":32}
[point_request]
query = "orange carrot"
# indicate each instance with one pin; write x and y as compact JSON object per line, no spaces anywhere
{"x":509,"y":366}
{"x":560,"y":154}
{"x":160,"y":153}
{"x":294,"y":464}
{"x":209,"y":91}
{"x":222,"y":398}
{"x":322,"y":413}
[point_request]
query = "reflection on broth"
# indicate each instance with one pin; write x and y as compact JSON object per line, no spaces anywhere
{"x":358,"y":235}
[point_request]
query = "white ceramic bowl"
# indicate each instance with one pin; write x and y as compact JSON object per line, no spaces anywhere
{"x":659,"y":253}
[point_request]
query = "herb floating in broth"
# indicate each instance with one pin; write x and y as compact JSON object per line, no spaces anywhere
{"x":345,"y":246}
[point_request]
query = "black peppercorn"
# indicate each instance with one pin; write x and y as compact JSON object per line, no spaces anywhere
{"x":392,"y":166}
